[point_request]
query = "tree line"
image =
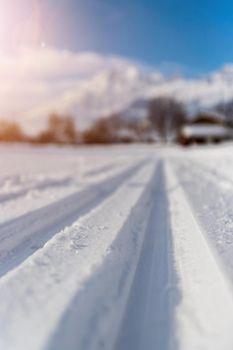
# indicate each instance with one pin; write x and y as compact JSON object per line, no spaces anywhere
{"x":164,"y":118}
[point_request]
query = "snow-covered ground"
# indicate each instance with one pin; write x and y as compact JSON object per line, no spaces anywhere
{"x":122,"y":248}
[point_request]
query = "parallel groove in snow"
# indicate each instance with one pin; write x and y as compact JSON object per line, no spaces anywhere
{"x":40,"y":225}
{"x":103,"y":300}
{"x":148,"y":315}
{"x":82,"y":173}
{"x":203,"y":321}
{"x":212,"y":204}
{"x":49,"y":277}
{"x":128,"y":268}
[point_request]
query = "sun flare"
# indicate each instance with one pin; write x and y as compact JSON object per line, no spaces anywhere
{"x":20,"y":24}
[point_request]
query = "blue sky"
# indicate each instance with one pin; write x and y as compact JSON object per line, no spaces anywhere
{"x":193,"y":36}
{"x":40,"y":42}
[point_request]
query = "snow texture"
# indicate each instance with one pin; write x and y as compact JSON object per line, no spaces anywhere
{"x":116,"y":248}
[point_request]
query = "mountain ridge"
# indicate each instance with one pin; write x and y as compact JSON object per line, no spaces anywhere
{"x":89,"y":85}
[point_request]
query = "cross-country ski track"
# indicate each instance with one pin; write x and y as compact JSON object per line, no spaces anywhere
{"x":116,"y":248}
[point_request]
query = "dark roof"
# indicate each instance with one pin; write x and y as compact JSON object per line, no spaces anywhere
{"x":207,"y":119}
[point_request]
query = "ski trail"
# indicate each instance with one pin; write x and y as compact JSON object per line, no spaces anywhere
{"x":214,"y":211}
{"x":35,"y":296}
{"x":179,"y":294}
{"x":37,"y":227}
{"x":148,"y":318}
{"x":140,"y":259}
{"x":204,"y":316}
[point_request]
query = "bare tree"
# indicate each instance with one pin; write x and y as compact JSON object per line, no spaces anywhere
{"x":11,"y":132}
{"x":166,"y":116}
{"x":61,"y":129}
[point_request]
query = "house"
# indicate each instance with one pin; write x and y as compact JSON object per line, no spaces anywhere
{"x":205,"y":128}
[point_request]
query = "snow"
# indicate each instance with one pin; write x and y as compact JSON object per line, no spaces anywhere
{"x":206,"y":130}
{"x":116,"y":248}
{"x":87,"y":85}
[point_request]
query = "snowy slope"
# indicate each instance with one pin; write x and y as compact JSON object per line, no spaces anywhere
{"x":89,"y":85}
{"x":116,"y":88}
{"x":116,"y":248}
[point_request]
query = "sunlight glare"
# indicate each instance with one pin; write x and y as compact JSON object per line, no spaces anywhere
{"x":20,"y":24}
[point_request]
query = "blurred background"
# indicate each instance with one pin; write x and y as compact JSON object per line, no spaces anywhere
{"x":107,"y":71}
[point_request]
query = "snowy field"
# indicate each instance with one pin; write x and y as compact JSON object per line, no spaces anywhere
{"x":118,"y":248}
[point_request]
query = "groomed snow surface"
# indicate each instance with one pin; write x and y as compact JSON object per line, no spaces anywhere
{"x":118,"y":248}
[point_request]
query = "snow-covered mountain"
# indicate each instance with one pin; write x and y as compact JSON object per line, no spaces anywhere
{"x":88,"y":85}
